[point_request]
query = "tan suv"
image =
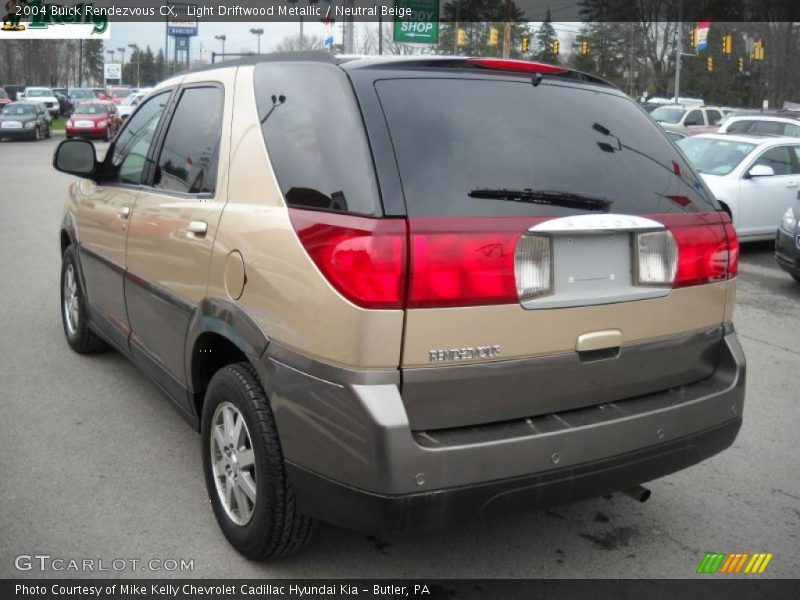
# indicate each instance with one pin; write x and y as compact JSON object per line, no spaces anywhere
{"x":407,"y":292}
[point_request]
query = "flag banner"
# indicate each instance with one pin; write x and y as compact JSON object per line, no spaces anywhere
{"x":702,"y":34}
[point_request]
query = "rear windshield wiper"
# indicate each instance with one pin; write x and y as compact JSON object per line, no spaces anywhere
{"x":544,"y":197}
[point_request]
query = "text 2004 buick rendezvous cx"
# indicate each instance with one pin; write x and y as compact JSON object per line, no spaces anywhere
{"x":404,"y":293}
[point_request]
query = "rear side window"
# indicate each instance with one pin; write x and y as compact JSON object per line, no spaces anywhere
{"x":739,"y":127}
{"x":460,"y":142}
{"x":767,"y":128}
{"x":188,"y":159}
{"x":791,"y":130}
{"x":315,"y":138}
{"x":713,"y":117}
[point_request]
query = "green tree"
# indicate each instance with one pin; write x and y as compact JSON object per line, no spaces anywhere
{"x":545,"y":36}
{"x":93,"y":59}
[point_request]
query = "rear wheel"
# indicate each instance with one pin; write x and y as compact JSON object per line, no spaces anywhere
{"x":244,"y":469}
{"x":74,"y":313}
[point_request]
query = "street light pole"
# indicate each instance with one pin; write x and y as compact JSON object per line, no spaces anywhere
{"x":135,"y":48}
{"x":258,"y":33}
{"x":122,"y":67}
{"x":222,"y":39}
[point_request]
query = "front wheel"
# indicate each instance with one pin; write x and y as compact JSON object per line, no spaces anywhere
{"x":244,"y":469}
{"x":74,"y":312}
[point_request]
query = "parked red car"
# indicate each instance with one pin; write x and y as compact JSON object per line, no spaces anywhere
{"x":118,"y":94}
{"x":97,"y":119}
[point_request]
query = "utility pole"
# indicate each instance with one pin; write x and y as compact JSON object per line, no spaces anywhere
{"x":80,"y":63}
{"x":455,"y":34}
{"x":380,"y":34}
{"x":507,"y":31}
{"x":678,"y":51}
{"x":348,"y":28}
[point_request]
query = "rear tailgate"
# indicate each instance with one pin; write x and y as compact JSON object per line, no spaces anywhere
{"x":562,"y":251}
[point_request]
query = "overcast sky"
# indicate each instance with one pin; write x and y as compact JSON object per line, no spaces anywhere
{"x":239,"y":38}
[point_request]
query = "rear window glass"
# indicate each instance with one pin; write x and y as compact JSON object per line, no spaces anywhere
{"x":460,"y":143}
{"x":315,"y":138}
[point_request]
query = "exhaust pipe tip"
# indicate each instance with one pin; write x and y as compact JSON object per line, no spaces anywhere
{"x":638,"y":493}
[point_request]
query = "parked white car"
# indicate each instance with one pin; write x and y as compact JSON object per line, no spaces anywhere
{"x":44,"y":95}
{"x":129,"y":104}
{"x":755,"y":178}
{"x":761,"y":125}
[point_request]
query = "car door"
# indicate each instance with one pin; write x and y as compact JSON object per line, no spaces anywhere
{"x":102,"y":217}
{"x":764,"y":199}
{"x":172,"y":230}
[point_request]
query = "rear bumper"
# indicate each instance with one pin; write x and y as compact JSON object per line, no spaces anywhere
{"x":358,"y":509}
{"x":354,"y":459}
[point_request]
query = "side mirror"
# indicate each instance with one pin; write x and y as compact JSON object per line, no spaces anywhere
{"x":760,"y":171}
{"x":76,"y":157}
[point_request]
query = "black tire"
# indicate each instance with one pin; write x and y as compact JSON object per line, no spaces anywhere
{"x":79,"y":335}
{"x":276,"y":528}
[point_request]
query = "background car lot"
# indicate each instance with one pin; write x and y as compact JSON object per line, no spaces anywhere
{"x":96,"y":464}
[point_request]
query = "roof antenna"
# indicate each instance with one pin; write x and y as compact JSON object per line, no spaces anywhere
{"x":276,"y":102}
{"x":537,"y":79}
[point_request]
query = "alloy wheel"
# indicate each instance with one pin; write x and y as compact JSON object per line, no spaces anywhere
{"x":70,"y":301}
{"x":233,"y":463}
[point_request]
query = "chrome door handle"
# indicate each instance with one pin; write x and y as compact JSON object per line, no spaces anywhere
{"x":198,"y":227}
{"x":124,"y":212}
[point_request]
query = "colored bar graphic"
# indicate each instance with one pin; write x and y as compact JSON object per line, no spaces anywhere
{"x":720,"y":562}
{"x":711,"y":562}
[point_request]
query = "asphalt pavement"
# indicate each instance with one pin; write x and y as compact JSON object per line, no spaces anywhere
{"x":94,"y":464}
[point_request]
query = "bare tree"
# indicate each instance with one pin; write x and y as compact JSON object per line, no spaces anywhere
{"x":293,"y":43}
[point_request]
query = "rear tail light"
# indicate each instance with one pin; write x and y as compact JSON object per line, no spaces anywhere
{"x":363,"y":258}
{"x":708,"y":249}
{"x":464,"y":261}
{"x":657,"y":258}
{"x":534,"y":266}
{"x":472,"y":261}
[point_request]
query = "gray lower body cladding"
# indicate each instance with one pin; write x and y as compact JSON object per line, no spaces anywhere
{"x":345,"y":440}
